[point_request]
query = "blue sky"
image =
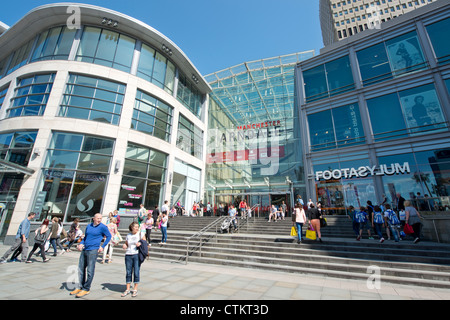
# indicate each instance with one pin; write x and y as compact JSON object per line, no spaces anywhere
{"x":215,"y":34}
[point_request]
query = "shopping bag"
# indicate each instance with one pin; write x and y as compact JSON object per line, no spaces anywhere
{"x":311,"y":233}
{"x":294,"y":232}
{"x":408,"y":229}
{"x":46,"y":245}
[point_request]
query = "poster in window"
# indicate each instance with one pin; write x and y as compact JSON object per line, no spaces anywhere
{"x":422,"y":109}
{"x":405,"y":54}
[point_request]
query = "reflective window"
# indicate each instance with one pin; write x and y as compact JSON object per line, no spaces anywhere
{"x":189,"y":96}
{"x":329,"y":79}
{"x":338,"y":127}
{"x":54,"y":44}
{"x":16,"y":147}
{"x":439,"y":40}
{"x":31,"y":95}
{"x":19,"y":57}
{"x":107,"y":48}
{"x":413,"y":111}
{"x":392,"y":58}
{"x":92,"y":99}
{"x":155,"y":68}
{"x":142,"y":180}
{"x":190,"y":137}
{"x":74,"y":175}
{"x":3,"y":92}
{"x":152,"y":116}
{"x":321,"y":130}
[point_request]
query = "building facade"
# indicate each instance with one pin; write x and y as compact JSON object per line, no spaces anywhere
{"x":98,"y":111}
{"x":254,"y":152}
{"x":375,"y":115}
{"x":340,"y":19}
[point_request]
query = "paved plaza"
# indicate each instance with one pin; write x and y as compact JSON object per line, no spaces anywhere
{"x":165,"y":280}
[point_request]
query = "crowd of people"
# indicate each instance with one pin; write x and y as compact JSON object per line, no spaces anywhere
{"x":381,"y":219}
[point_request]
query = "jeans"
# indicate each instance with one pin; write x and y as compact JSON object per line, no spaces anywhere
{"x":86,"y":268}
{"x":164,"y":234}
{"x":132,"y":268}
{"x":299,"y":230}
{"x":55,"y":242}
{"x":395,"y":233}
{"x":379,"y":229}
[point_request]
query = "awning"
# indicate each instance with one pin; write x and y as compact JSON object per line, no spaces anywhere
{"x":10,"y":167}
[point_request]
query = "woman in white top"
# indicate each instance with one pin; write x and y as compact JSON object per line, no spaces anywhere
{"x":299,"y":218}
{"x":132,"y":266}
{"x":164,"y":220}
{"x":108,"y":251}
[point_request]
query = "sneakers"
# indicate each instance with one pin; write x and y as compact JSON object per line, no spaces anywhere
{"x":416,"y":240}
{"x":82,"y":293}
{"x":76,"y":291}
{"x":381,"y":240}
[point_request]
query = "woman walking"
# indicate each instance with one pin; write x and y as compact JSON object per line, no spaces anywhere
{"x":55,"y":235}
{"x":314,"y":218}
{"x":132,"y":265}
{"x":112,"y":227}
{"x":299,"y":218}
{"x":164,"y":220}
{"x":39,"y":240}
{"x":413,"y":219}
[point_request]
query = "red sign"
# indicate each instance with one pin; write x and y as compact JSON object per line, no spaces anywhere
{"x":245,"y":155}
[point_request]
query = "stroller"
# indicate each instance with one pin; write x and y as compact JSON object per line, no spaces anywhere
{"x":226,"y":225}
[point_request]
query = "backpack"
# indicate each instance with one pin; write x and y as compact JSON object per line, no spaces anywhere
{"x":392,"y":218}
{"x":360,"y":217}
{"x":378,"y":217}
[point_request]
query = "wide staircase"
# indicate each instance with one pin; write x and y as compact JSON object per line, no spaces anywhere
{"x":268,"y":245}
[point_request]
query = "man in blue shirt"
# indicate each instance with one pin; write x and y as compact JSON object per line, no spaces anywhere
{"x":90,"y":248}
{"x":21,"y":238}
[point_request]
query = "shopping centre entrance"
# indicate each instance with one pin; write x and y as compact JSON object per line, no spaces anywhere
{"x":260,"y":203}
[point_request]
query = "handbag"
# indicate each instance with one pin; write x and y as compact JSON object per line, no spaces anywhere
{"x":40,"y":237}
{"x":311,"y":233}
{"x":408,"y":229}
{"x":323,"y":222}
{"x":294,"y":232}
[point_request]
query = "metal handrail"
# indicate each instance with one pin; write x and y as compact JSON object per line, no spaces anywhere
{"x":199,"y":234}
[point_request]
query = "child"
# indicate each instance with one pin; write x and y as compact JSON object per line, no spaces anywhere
{"x":132,"y":265}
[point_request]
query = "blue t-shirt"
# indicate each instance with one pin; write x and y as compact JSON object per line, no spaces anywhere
{"x":24,"y":229}
{"x":94,"y":236}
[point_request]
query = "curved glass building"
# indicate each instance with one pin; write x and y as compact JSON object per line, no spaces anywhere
{"x":254,"y":152}
{"x":98,"y":111}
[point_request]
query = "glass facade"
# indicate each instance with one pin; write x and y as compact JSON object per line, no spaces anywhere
{"x":337,"y":127}
{"x":406,"y":113}
{"x":31,"y":95}
{"x":143,"y":179}
{"x":156,"y":68}
{"x":3,"y":92}
{"x":190,"y":137}
{"x":75,"y":175}
{"x":152,"y":116}
{"x":107,"y":48}
{"x":328,"y":79}
{"x":92,"y":99}
{"x":439,"y":40}
{"x":54,"y":44}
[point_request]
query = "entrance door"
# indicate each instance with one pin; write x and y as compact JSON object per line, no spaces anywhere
{"x":278,"y":199}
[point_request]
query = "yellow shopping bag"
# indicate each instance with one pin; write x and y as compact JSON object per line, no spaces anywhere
{"x":294,"y":232}
{"x":311,"y":233}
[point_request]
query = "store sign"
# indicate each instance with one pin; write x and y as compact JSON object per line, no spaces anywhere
{"x":364,"y":171}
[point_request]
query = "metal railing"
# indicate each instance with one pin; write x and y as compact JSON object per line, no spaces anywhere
{"x":216,"y":223}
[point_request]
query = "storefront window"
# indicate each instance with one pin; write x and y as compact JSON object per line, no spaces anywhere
{"x":142,"y":180}
{"x":439,"y":40}
{"x":75,"y":174}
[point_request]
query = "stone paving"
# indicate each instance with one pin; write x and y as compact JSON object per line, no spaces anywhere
{"x":165,"y":280}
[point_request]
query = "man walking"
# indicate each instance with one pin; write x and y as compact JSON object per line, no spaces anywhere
{"x":21,"y":238}
{"x":90,"y":248}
